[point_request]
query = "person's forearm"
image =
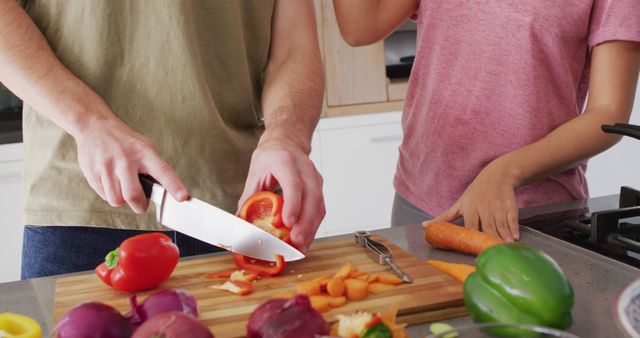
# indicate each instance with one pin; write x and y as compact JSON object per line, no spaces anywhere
{"x":612,"y":87}
{"x":364,"y":22}
{"x":565,"y":147}
{"x":292,"y":95}
{"x":29,"y":69}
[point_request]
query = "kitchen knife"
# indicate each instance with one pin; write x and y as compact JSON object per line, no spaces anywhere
{"x":215,"y":226}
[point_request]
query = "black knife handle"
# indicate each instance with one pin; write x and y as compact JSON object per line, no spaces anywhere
{"x":147,"y":184}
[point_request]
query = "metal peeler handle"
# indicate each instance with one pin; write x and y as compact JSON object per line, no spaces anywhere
{"x":405,"y":278}
{"x":380,"y":252}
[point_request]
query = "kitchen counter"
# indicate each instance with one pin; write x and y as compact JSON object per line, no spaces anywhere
{"x":596,"y":280}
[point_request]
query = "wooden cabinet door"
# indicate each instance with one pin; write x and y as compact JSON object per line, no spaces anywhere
{"x":354,"y":75}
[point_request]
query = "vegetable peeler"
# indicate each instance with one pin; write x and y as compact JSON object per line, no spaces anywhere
{"x":380,"y":253}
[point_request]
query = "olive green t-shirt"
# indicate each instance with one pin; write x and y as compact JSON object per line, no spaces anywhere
{"x":187,"y":74}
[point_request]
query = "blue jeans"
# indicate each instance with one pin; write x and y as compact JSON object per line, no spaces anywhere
{"x":54,"y":250}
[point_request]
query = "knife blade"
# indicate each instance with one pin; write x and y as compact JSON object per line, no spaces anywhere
{"x":215,"y":226}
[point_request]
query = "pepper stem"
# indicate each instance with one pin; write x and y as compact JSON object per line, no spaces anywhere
{"x":112,"y":259}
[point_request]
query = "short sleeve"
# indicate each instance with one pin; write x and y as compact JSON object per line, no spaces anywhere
{"x":614,"y":20}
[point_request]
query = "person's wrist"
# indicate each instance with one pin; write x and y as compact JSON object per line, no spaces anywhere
{"x":287,"y":135}
{"x":508,"y":170}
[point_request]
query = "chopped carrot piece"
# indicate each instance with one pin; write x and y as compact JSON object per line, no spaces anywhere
{"x":337,"y":301}
{"x":357,"y":274}
{"x":390,"y":316}
{"x":324,"y":280}
{"x":389,"y":278}
{"x":377,"y":288}
{"x":320,"y":303}
{"x":334,"y":329}
{"x":356,"y":289}
{"x":344,"y":272}
{"x":335,"y":287}
{"x":310,"y":288}
{"x":364,"y":277}
{"x":444,"y":235}
{"x":372,"y":278}
{"x":459,"y":272}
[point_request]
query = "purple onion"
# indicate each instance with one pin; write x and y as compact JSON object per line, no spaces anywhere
{"x":172,"y":300}
{"x":286,"y":318}
{"x":93,"y":320}
{"x":172,"y":325}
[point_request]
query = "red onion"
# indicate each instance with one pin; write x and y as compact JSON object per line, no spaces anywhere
{"x":172,"y":325}
{"x":160,"y":302}
{"x":93,"y":319}
{"x":286,"y":318}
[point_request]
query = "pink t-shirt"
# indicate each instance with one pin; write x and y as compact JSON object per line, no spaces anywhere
{"x":491,"y":77}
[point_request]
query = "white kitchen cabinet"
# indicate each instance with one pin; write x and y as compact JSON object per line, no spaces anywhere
{"x":11,"y":210}
{"x":357,"y":156}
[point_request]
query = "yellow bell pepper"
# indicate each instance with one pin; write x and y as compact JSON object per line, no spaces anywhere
{"x":13,"y":325}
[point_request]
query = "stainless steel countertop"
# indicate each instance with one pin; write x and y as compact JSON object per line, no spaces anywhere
{"x":596,"y":281}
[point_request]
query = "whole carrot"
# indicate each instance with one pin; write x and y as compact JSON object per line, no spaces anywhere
{"x":444,"y":235}
{"x":458,"y":271}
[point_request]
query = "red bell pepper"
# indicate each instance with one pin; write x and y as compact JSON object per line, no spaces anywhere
{"x":141,"y":262}
{"x":238,"y":287}
{"x":262,"y":268}
{"x":264,"y":210}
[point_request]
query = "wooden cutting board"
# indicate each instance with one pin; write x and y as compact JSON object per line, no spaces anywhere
{"x":432,"y":295}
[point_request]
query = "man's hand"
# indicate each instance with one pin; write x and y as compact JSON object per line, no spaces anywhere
{"x":291,"y":105}
{"x":488,"y":204}
{"x":280,"y":162}
{"x":111,"y":156}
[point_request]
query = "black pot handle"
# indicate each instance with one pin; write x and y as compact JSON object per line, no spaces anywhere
{"x":622,"y":129}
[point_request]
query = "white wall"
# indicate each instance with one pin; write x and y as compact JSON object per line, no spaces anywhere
{"x":619,"y":165}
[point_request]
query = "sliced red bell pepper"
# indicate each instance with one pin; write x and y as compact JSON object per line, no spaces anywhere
{"x":238,"y":287}
{"x":141,"y":262}
{"x":264,"y":210}
{"x":262,"y":268}
{"x":243,"y":275}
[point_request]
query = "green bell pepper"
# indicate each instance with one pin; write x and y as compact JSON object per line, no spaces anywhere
{"x":516,"y":283}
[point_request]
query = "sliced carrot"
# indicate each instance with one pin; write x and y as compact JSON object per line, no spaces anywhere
{"x":320,"y":303}
{"x":444,"y":235}
{"x":310,"y":288}
{"x":357,"y":274}
{"x":372,"y":278}
{"x":364,"y":277}
{"x":460,"y":272}
{"x":356,"y":289}
{"x":389,"y":278}
{"x":337,"y":301}
{"x":284,"y":295}
{"x":344,"y":272}
{"x":335,"y":287}
{"x":377,"y":288}
{"x":390,"y":316}
{"x":324,"y":280}
{"x":334,"y":329}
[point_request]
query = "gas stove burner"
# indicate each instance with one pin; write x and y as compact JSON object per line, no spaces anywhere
{"x":606,"y":226}
{"x":613,"y":232}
